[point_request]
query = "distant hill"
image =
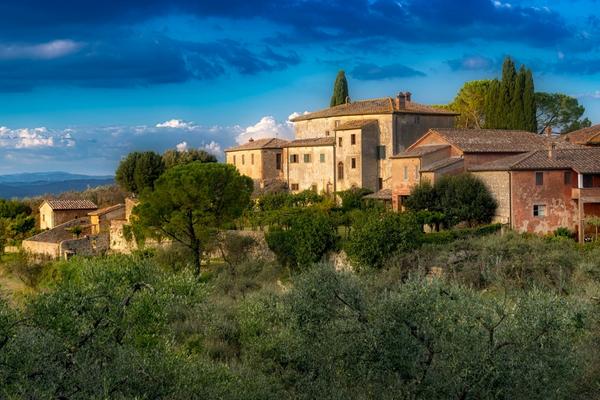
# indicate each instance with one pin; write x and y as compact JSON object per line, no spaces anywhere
{"x":38,"y":184}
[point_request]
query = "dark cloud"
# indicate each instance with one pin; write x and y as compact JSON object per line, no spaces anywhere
{"x":368,"y":72}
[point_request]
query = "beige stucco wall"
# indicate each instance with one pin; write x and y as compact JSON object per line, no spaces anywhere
{"x":498,"y":183}
{"x":101,"y":223}
{"x":312,"y":173}
{"x":46,"y":217}
{"x":43,"y":249}
{"x":51,"y":218}
{"x":259,"y":164}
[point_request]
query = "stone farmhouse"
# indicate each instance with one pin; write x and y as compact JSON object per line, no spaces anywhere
{"x":57,"y":212}
{"x":340,"y":147}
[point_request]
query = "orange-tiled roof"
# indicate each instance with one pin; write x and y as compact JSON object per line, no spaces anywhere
{"x":446,"y":162}
{"x":269,"y":143}
{"x":421,"y":150}
{"x":586,"y":136}
{"x":356,"y":124}
{"x":106,"y":210}
{"x":384,"y":105}
{"x":322,"y":141}
{"x":71,"y":204}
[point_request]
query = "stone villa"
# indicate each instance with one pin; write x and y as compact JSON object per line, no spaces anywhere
{"x":337,"y":148}
{"x":57,"y":212}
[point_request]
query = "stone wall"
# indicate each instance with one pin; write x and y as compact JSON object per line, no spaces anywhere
{"x":258,"y":164}
{"x":314,"y":172}
{"x":498,"y":183}
{"x":87,"y":246}
{"x":117,"y":241}
{"x":410,"y":127}
{"x":41,"y":249}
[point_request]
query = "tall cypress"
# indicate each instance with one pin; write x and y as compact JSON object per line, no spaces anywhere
{"x":517,"y":112}
{"x":340,"y":90}
{"x":492,"y":105}
{"x":507,"y":90}
{"x":529,"y":106}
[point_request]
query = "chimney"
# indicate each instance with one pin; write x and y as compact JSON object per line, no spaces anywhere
{"x":250,"y":140}
{"x":552,"y":151}
{"x":548,"y":131}
{"x":401,"y":100}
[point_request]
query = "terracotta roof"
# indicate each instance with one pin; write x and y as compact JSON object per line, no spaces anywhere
{"x":585,"y":160}
{"x":71,"y":204}
{"x":383,"y":194}
{"x":269,"y":143}
{"x":356,"y":124}
{"x":106,"y":210}
{"x":322,"y":141}
{"x":497,"y":140}
{"x":421,"y":150}
{"x":585,"y":136}
{"x":446,"y":162}
{"x":384,"y":105}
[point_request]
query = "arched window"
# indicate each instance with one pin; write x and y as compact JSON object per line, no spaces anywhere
{"x":340,"y":170}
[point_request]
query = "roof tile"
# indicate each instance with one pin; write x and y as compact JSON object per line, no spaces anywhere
{"x":71,"y":204}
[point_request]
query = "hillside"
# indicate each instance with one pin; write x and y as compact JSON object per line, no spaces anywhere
{"x":37,"y":184}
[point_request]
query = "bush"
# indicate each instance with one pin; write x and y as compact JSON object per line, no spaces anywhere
{"x":353,"y":198}
{"x":375,"y":236}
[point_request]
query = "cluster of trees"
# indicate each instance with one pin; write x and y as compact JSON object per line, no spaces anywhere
{"x":139,"y":170}
{"x":16,"y":222}
{"x":511,"y":103}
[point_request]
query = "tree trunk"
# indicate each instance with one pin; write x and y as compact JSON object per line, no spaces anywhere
{"x":197,"y":257}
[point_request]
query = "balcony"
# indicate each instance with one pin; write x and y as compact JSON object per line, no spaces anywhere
{"x":587,"y":194}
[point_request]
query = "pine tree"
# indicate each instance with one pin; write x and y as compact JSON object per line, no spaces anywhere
{"x":529,"y":104}
{"x":340,"y":90}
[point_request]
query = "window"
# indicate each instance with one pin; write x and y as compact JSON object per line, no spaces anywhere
{"x":353,"y":163}
{"x":381,"y":152}
{"x":326,"y":133}
{"x":568,"y":177}
{"x":588,"y":181}
{"x":307,"y":158}
{"x":293,"y":158}
{"x":353,"y":139}
{"x":252,"y":159}
{"x":295,"y":186}
{"x":539,"y":210}
{"x":314,"y":188}
{"x":243,"y":159}
{"x":322,"y":157}
{"x":233,"y":160}
{"x":380,"y":183}
{"x":416,"y":172}
{"x":340,"y":142}
{"x":340,"y":170}
{"x":337,"y":123}
{"x":539,"y":178}
{"x":405,"y":173}
{"x":417,"y":119}
{"x":278,"y":161}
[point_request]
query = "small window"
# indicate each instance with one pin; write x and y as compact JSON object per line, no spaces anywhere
{"x":233,"y":160}
{"x":380,"y":183}
{"x":416,"y":172}
{"x":322,"y":157}
{"x":340,"y":170}
{"x":293,"y":158}
{"x":307,"y":158}
{"x":539,"y":210}
{"x":539,"y":178}
{"x":353,"y":139}
{"x":568,"y":177}
{"x":588,"y":181}
{"x":381,"y":152}
{"x":353,"y":163}
{"x":337,"y":123}
{"x":278,"y":161}
{"x":243,"y":159}
{"x":417,"y":119}
{"x":314,"y":188}
{"x":340,"y":142}
{"x":295,"y":186}
{"x":326,"y":133}
{"x":252,"y":159}
{"x":405,"y":173}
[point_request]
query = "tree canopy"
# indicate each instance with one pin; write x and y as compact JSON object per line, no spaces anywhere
{"x":172,"y":158}
{"x":340,"y":90}
{"x":470,"y":103}
{"x":559,"y":111}
{"x":191,"y":202}
{"x":139,"y":171}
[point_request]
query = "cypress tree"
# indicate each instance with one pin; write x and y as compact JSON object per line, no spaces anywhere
{"x":529,"y":105}
{"x":517,"y":112}
{"x":492,"y":105}
{"x":340,"y":90}
{"x":507,"y":91}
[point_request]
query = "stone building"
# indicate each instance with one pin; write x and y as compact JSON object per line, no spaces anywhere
{"x":100,"y":219}
{"x":452,"y":151}
{"x":586,"y":137}
{"x":543,"y":190}
{"x":357,"y":140}
{"x":57,"y":212}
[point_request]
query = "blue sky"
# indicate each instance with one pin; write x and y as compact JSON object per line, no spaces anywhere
{"x":82,"y":83}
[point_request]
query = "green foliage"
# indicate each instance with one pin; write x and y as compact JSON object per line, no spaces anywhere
{"x":564,"y":232}
{"x":172,"y":158}
{"x":13,"y":208}
{"x":310,"y":236}
{"x":451,"y":235}
{"x":470,"y":103}
{"x":559,"y":111}
{"x":76,"y":230}
{"x":352,"y":199}
{"x":139,"y":170}
{"x":460,"y":198}
{"x":340,"y":90}
{"x":191,"y":202}
{"x":377,"y":235}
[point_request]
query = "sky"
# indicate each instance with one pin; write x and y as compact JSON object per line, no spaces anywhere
{"x":83,"y":83}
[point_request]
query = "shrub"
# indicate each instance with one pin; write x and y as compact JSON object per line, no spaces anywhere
{"x":375,"y":236}
{"x":353,"y":198}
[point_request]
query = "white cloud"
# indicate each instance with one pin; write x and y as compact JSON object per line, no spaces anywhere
{"x":590,"y":95}
{"x":213,"y":148}
{"x":175,"y":124}
{"x":181,"y":147}
{"x":44,"y":51}
{"x":31,"y":138}
{"x":267,"y":127}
